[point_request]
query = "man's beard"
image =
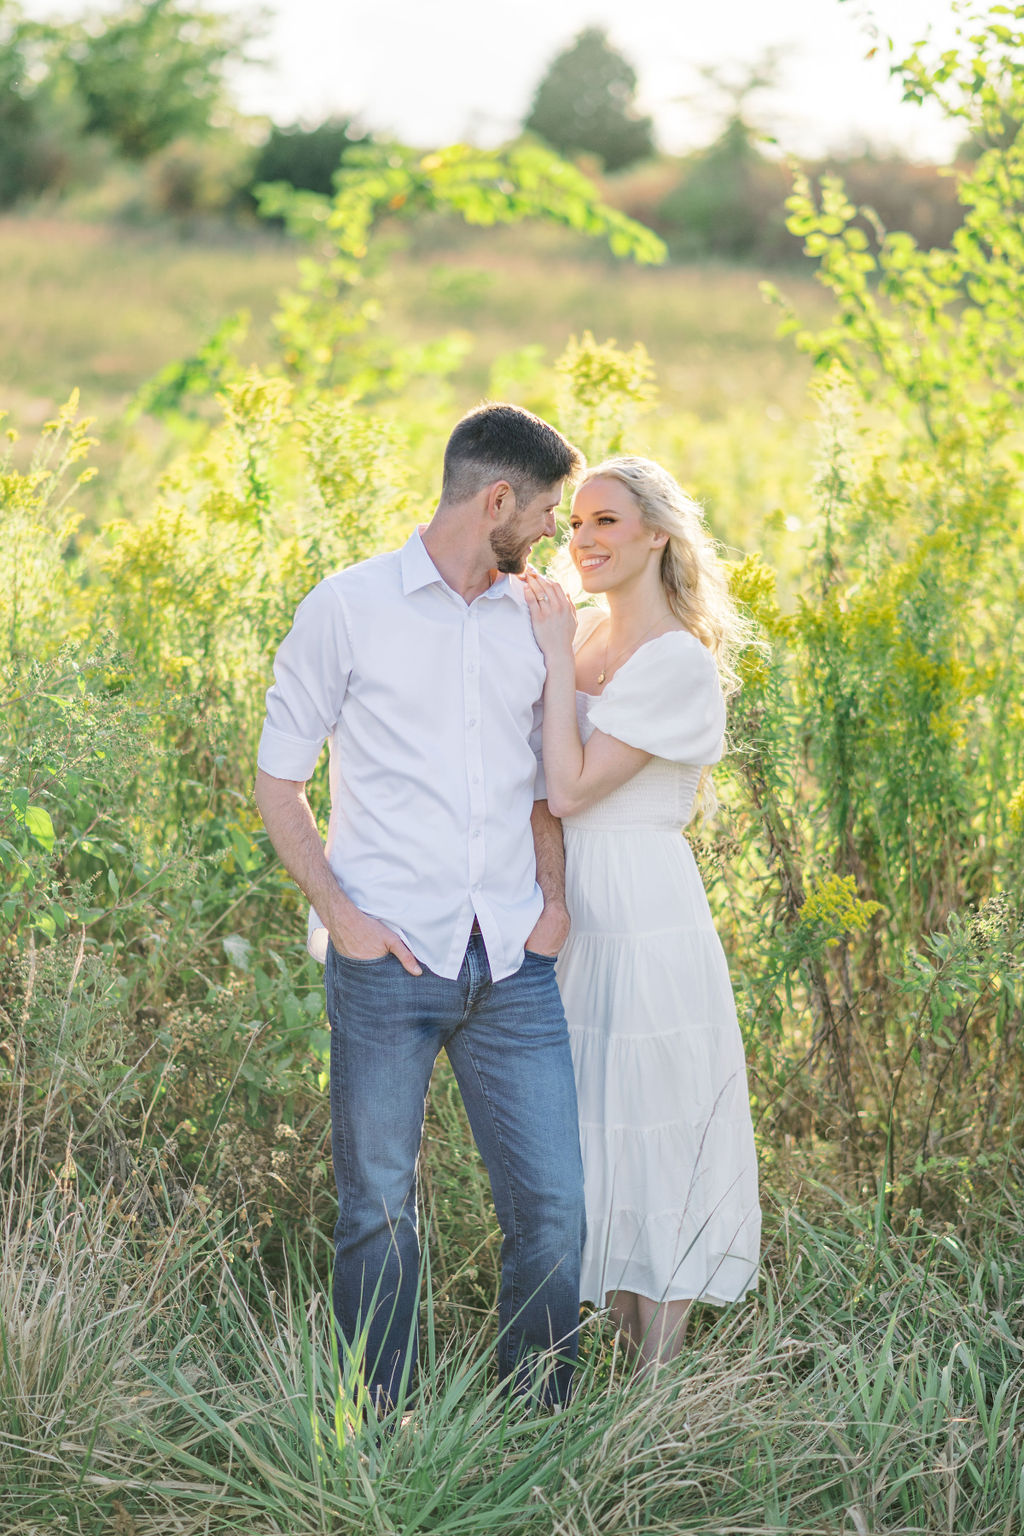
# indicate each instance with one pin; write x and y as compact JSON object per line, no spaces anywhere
{"x":510,"y":548}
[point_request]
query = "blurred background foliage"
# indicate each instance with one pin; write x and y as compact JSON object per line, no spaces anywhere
{"x":132,"y":103}
{"x":162,"y":1039}
{"x":586,"y":104}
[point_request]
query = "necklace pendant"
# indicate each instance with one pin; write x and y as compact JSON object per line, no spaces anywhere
{"x":600,"y":677}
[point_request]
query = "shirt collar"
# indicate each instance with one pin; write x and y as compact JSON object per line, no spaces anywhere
{"x":418,"y":570}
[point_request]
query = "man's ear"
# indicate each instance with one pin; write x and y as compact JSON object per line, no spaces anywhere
{"x":501,"y":500}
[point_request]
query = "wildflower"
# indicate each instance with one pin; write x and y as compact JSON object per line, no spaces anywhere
{"x":834,"y":910}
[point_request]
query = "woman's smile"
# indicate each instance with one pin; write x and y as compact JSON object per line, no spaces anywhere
{"x":608,"y":527}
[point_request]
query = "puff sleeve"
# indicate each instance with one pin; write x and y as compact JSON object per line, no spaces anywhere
{"x":666,"y":700}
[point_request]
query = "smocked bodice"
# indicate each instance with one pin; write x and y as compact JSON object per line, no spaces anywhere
{"x":662,"y":794}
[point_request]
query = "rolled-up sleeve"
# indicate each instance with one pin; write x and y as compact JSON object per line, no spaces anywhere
{"x":311,"y":673}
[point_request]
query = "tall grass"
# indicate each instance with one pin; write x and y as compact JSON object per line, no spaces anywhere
{"x":156,"y":1379}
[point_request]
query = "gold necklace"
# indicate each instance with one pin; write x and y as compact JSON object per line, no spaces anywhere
{"x":629,"y":649}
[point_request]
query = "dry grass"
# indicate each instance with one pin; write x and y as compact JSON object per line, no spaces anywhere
{"x":156,"y":1381}
{"x":708,"y":328}
{"x":103,"y":307}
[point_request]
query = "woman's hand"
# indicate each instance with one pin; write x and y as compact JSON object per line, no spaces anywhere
{"x":552,"y":614}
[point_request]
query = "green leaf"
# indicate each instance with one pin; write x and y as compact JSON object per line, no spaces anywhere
{"x":241,"y":845}
{"x":237,"y":950}
{"x":9,"y":854}
{"x":38,"y":823}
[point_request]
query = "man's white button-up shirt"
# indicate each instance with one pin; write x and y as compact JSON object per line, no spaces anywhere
{"x":432,"y":708}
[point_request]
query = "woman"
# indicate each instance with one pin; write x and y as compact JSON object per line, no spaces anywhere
{"x":633,"y":717}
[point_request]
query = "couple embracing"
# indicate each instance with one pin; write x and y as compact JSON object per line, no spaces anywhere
{"x":504,"y":879}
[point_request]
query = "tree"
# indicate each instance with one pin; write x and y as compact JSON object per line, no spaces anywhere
{"x":305,"y":157}
{"x":729,"y":201}
{"x":585,"y":104}
{"x":16,"y":114}
{"x":153,"y":71}
{"x":42,"y":148}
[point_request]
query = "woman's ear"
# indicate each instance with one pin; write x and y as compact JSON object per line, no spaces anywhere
{"x":659,"y":539}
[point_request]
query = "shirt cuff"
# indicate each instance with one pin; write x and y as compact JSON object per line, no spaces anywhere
{"x":287,"y":757}
{"x":540,"y":788}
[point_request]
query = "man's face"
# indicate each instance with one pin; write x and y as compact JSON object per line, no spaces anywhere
{"x":513,"y":539}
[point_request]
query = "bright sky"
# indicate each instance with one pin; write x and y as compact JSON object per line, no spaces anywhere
{"x":434,"y":71}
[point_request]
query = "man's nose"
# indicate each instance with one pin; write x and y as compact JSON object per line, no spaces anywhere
{"x":550,"y":526}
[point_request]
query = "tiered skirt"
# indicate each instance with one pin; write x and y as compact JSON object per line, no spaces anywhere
{"x":668,"y":1148}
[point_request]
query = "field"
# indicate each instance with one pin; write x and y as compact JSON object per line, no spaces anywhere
{"x":708,"y":329}
{"x":166,"y":1194}
{"x":733,"y":414}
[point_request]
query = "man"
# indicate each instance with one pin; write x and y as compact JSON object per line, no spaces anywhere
{"x":438,"y":915}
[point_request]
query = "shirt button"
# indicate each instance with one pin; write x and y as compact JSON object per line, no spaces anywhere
{"x":471,"y":723}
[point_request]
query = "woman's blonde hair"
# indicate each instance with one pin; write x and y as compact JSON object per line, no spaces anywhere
{"x":692,"y":571}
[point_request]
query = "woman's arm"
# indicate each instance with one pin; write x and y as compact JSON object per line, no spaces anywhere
{"x":576,"y":776}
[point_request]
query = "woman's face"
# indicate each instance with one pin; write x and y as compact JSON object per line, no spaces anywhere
{"x":610,"y":542}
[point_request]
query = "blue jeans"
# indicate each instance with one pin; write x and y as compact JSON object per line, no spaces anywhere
{"x":509,"y":1048}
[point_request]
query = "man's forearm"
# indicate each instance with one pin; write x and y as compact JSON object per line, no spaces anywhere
{"x":292,"y":829}
{"x":552,"y":927}
{"x":550,"y":851}
{"x":295,"y":835}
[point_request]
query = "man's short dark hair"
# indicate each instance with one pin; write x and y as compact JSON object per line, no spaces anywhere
{"x":504,"y":442}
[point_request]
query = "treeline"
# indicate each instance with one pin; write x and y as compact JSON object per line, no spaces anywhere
{"x":143,"y":89}
{"x":137,"y":100}
{"x":729,"y":201}
{"x":726,"y":200}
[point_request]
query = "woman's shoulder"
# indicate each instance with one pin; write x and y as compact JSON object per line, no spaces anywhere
{"x":667,"y":699}
{"x":677,"y":653}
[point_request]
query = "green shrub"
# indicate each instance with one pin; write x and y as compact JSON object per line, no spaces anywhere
{"x":200,"y":175}
{"x":306,"y":158}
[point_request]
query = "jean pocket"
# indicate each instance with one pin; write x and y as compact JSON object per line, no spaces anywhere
{"x":535,"y":954}
{"x":358,"y":960}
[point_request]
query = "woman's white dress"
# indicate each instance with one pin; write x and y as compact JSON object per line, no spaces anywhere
{"x":668,"y":1147}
